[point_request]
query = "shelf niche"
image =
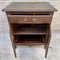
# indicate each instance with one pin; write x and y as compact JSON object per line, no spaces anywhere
{"x":29,"y":29}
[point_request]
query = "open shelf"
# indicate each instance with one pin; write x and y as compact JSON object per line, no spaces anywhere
{"x":29,"y":29}
{"x":30,"y":39}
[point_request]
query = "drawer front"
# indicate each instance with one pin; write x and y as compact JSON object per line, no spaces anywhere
{"x":29,"y":19}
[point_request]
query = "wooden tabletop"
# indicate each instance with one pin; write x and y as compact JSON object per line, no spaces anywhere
{"x":30,"y":6}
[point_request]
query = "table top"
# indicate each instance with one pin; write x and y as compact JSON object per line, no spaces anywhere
{"x":30,"y":6}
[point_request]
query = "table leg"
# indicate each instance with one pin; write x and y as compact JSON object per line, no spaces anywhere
{"x":47,"y":41}
{"x":13,"y":42}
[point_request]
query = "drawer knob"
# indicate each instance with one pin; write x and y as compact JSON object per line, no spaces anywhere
{"x":34,"y":19}
{"x":25,"y":19}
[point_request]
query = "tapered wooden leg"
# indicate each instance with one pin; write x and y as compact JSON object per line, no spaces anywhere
{"x":13,"y":41}
{"x":15,"y":53}
{"x":14,"y":49}
{"x":13,"y":45}
{"x":46,"y":48}
{"x":46,"y":51}
{"x":47,"y":41}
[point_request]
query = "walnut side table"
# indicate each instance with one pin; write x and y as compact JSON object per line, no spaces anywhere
{"x":30,"y":23}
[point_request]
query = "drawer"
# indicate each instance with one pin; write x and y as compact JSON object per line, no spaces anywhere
{"x":30,"y":19}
